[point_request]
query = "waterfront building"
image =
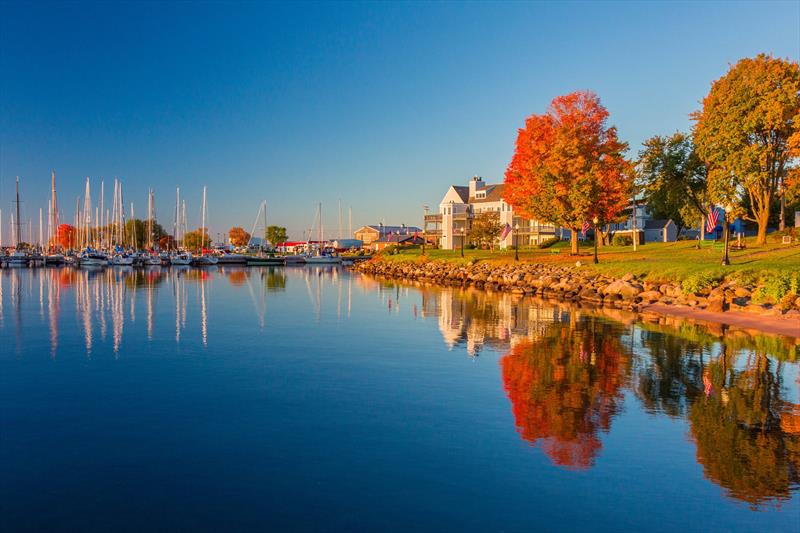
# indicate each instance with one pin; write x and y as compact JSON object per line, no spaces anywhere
{"x":461,"y":204}
{"x":369,"y":234}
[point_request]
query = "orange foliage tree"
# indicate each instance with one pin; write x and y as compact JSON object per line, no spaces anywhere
{"x":238,"y":236}
{"x":565,"y":387}
{"x":569,"y":166}
{"x":66,"y":236}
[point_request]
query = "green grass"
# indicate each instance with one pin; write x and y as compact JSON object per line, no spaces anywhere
{"x":676,"y":261}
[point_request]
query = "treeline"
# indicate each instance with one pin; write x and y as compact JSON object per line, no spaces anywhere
{"x":569,"y":166}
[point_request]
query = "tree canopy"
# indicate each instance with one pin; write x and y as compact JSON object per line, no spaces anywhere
{"x":276,"y":234}
{"x":486,"y":228}
{"x":568,"y":166}
{"x":194,"y":240}
{"x":238,"y":236}
{"x":743,"y":132}
{"x":673,"y":179}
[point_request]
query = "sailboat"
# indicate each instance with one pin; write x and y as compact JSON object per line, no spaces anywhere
{"x":53,"y":257}
{"x":19,"y":258}
{"x":179,"y":257}
{"x":323,"y":255}
{"x":262,"y":258}
{"x":204,"y":259}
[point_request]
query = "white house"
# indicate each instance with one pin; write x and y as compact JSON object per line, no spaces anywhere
{"x":462,"y":203}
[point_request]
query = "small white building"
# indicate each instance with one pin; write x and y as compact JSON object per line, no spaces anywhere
{"x":462,"y":203}
{"x":648,"y":228}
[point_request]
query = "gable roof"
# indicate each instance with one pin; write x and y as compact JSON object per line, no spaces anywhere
{"x":656,"y":223}
{"x":463,"y":192}
{"x":390,"y":229}
{"x":494,"y":193}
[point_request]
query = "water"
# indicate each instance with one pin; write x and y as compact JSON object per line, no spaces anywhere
{"x":310,"y":399}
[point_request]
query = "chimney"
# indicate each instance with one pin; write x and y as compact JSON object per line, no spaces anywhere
{"x":475,"y":184}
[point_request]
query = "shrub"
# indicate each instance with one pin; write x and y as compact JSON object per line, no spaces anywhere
{"x":392,"y":249}
{"x":622,"y":240}
{"x":547,"y":243}
{"x":700,"y":280}
{"x":774,"y":287}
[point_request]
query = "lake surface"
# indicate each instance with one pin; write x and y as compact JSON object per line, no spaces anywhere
{"x":311,"y":399}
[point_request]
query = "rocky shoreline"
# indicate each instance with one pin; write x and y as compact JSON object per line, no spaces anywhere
{"x":578,"y":284}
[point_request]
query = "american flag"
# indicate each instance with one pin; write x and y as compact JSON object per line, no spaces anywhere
{"x":585,"y":227}
{"x":505,"y":232}
{"x":711,"y":220}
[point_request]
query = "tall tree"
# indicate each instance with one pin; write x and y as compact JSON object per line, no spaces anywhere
{"x":276,"y":234}
{"x":486,"y":228}
{"x":238,"y":236}
{"x":568,"y":166}
{"x":743,"y":130}
{"x":673,"y":179}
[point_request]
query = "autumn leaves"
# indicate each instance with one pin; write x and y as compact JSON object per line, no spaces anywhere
{"x":569,"y":165}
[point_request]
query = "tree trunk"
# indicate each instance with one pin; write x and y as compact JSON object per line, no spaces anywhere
{"x":574,"y":242}
{"x":762,"y":221}
{"x":782,"y":223}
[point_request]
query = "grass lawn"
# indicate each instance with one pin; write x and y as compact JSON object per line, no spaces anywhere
{"x":674,"y":261}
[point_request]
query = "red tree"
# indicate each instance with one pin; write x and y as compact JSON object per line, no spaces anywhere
{"x":568,"y":166}
{"x":66,"y":236}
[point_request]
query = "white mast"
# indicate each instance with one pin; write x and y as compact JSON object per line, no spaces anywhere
{"x":350,"y":222}
{"x":41,"y":235}
{"x":203,"y":221}
{"x":53,"y":217}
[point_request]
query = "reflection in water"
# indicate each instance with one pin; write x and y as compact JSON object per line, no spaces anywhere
{"x":565,"y":387}
{"x":566,"y":370}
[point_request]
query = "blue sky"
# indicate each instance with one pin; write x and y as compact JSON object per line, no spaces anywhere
{"x":381,"y":105}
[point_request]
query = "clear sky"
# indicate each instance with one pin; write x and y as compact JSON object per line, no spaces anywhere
{"x":381,"y":105}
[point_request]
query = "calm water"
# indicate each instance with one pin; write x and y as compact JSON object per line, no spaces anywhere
{"x":307,"y":398}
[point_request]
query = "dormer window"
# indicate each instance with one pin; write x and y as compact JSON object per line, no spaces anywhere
{"x":481,"y":194}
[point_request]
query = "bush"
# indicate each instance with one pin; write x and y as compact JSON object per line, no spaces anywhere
{"x":547,"y":243}
{"x":700,"y":280}
{"x":622,"y":240}
{"x":774,"y":287}
{"x":392,"y":249}
{"x":470,"y":246}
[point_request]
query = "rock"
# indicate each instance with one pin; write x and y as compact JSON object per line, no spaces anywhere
{"x":627,"y":277}
{"x":741,"y":292}
{"x":650,"y":296}
{"x":716,"y":306}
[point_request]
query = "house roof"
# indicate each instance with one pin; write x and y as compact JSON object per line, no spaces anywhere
{"x":656,"y":223}
{"x":392,"y":229}
{"x":463,"y":192}
{"x":494,"y":193}
{"x":400,"y":238}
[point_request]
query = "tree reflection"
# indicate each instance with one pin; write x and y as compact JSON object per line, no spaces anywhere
{"x":746,"y":434}
{"x":566,"y":386}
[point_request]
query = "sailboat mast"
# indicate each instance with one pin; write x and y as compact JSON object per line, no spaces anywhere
{"x":264,"y":244}
{"x":53,"y":206}
{"x":203,"y":221}
{"x":18,"y":235}
{"x":177,"y":214}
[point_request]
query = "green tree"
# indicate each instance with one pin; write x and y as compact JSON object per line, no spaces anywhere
{"x":276,"y":234}
{"x":743,"y":133}
{"x":194,"y":240}
{"x":486,"y":228}
{"x":673,"y":179}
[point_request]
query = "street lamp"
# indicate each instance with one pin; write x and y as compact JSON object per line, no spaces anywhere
{"x":516,"y":241}
{"x":424,"y":226}
{"x":595,"y":220}
{"x":727,"y":229}
{"x":463,"y":232}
